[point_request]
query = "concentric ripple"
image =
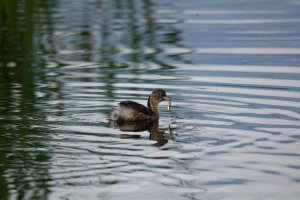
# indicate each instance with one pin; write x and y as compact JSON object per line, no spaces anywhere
{"x":231,"y":68}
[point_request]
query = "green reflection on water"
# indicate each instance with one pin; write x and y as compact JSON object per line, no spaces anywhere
{"x":23,"y":153}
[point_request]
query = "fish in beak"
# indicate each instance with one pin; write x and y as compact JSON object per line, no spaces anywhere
{"x":166,"y":98}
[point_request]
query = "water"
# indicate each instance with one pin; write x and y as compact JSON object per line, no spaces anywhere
{"x":231,"y":68}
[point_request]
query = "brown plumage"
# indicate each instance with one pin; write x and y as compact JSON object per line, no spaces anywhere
{"x":132,"y":111}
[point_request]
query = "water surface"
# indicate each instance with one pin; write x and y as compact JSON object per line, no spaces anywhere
{"x":231,"y":68}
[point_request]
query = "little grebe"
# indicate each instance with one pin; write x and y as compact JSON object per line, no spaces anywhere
{"x":132,"y":111}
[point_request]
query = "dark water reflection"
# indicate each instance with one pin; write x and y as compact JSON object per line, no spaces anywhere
{"x":151,"y":126}
{"x":232,"y":69}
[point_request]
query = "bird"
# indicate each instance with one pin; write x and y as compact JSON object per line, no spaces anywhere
{"x":130,"y":111}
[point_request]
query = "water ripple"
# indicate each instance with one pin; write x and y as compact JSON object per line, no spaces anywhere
{"x":232,"y":70}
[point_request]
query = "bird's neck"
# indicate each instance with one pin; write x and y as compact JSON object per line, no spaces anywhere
{"x":153,"y":105}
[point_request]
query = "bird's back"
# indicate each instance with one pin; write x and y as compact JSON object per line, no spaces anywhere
{"x":131,"y":111}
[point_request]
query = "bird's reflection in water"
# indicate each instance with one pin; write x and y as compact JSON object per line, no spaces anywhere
{"x":150,"y":126}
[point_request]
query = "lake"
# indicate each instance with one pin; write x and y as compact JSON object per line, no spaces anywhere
{"x":231,"y":67}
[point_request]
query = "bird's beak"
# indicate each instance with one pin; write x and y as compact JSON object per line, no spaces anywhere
{"x":166,"y":98}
